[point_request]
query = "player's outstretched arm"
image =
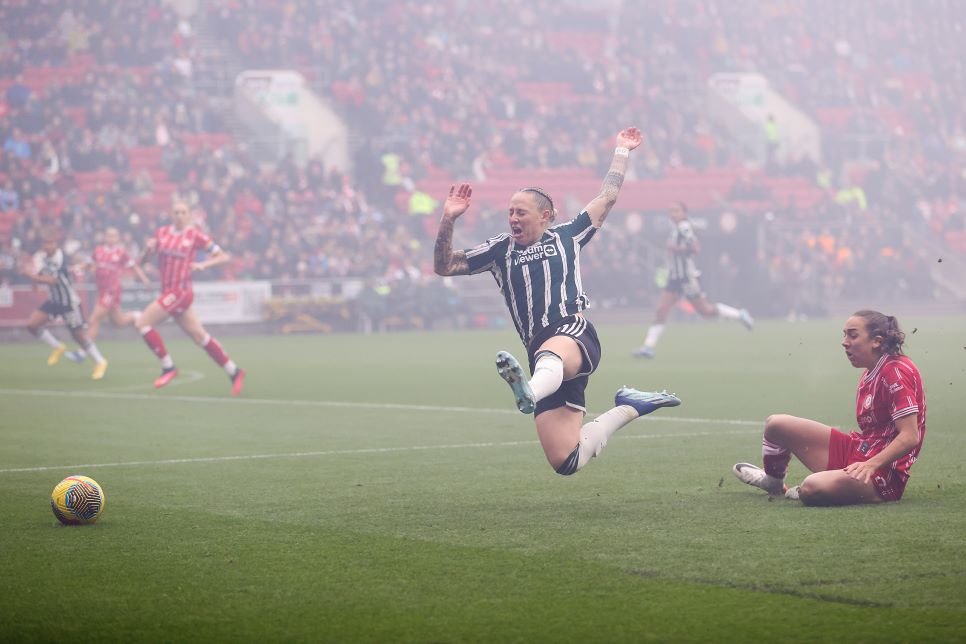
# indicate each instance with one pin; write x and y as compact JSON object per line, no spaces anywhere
{"x":150,"y":247}
{"x":140,"y":273}
{"x":446,"y":261}
{"x":599,"y":208}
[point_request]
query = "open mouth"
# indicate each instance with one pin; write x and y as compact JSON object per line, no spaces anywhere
{"x":516,"y":232}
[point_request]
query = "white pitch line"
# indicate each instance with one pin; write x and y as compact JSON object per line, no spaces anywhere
{"x":335,"y":404}
{"x":339,"y":452}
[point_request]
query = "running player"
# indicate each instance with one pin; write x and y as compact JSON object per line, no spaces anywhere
{"x":175,"y":246}
{"x":50,"y":268}
{"x":537,"y":267}
{"x":109,"y":260}
{"x":868,"y":466}
{"x":683,"y":276}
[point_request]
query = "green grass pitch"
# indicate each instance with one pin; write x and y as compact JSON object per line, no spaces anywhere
{"x":384,"y":488}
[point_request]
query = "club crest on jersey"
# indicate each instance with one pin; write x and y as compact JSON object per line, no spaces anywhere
{"x":864,"y":448}
{"x":867,"y":402}
{"x":535,"y":254}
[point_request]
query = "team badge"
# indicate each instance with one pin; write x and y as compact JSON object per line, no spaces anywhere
{"x":867,"y":403}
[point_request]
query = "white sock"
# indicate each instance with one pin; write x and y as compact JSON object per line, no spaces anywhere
{"x":95,"y":353}
{"x":547,"y":376}
{"x":653,"y":335}
{"x":231,"y":367}
{"x":48,"y":338}
{"x":594,"y":435}
{"x":167,"y":362}
{"x":726,"y":311}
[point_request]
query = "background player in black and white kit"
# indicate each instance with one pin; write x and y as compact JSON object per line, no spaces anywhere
{"x":683,"y":279}
{"x":50,"y":268}
{"x":537,"y":268}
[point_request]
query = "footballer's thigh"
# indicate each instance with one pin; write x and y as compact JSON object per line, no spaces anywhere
{"x":807,"y":439}
{"x":153,"y":315}
{"x":559,"y":431}
{"x":835,"y":487}
{"x":570,"y":354}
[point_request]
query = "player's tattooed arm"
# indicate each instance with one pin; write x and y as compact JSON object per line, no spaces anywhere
{"x":446,"y":260}
{"x":600,"y":207}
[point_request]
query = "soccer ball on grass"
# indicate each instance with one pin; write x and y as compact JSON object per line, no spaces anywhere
{"x":77,"y":500}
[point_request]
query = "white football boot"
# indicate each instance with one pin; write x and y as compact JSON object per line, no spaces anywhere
{"x":755,"y":476}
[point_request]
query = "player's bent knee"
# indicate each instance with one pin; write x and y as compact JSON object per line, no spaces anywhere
{"x":811,"y":493}
{"x":825,"y":489}
{"x":777,"y":424}
{"x":565,"y":464}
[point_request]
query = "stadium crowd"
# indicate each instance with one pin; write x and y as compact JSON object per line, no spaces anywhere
{"x":104,"y":114}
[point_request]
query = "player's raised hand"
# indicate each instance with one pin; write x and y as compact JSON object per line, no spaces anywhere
{"x":458,"y":200}
{"x":629,"y":138}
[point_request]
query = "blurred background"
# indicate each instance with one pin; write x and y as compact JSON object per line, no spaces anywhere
{"x":819,"y":144}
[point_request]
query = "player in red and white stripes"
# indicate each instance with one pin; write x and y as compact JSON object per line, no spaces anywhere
{"x":868,"y":466}
{"x":109,"y":260}
{"x":176,"y":246}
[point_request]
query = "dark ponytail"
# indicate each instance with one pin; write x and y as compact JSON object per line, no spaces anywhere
{"x":886,"y":327}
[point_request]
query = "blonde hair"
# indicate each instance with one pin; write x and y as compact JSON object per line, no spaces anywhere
{"x":544,"y":202}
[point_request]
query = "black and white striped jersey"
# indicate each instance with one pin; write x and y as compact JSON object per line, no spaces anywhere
{"x":681,"y":264}
{"x":541,"y":282}
{"x":62,"y":292}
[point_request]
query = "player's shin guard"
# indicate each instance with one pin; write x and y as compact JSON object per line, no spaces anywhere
{"x":653,"y":335}
{"x":92,"y":350}
{"x":547,"y":375}
{"x":727,"y":312}
{"x":153,"y":339}
{"x":594,"y":436}
{"x":45,"y":336}
{"x":214,"y":349}
{"x":775,"y":459}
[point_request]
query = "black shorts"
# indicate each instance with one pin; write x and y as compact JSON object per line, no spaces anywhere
{"x":571,"y":392}
{"x":73,"y":315}
{"x":689,"y":287}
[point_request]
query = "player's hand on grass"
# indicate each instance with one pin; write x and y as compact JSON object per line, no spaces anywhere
{"x":458,"y":200}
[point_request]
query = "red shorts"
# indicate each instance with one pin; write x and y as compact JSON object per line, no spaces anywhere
{"x":845,"y":449}
{"x":176,"y":302}
{"x":109,"y":299}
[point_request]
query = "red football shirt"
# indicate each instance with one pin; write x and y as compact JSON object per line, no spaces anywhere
{"x":176,"y":251}
{"x":109,"y":261}
{"x":890,"y":390}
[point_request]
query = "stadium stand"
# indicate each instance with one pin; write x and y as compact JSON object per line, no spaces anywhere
{"x":106,"y":114}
